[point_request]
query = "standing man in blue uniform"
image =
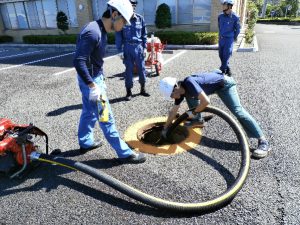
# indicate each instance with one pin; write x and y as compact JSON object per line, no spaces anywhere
{"x":229,"y":29}
{"x":131,"y":44}
{"x":88,"y":62}
{"x":199,"y":86}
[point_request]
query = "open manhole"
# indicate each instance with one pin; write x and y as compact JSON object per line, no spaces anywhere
{"x":144,"y":136}
{"x":151,"y":134}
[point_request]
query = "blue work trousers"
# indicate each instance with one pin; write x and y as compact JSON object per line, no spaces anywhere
{"x":89,"y":117}
{"x":225,"y":51}
{"x":230,"y":98}
{"x":134,"y":54}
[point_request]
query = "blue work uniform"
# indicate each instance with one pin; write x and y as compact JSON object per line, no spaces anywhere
{"x":225,"y":87}
{"x":229,"y":29}
{"x":88,"y":61}
{"x":132,"y":40}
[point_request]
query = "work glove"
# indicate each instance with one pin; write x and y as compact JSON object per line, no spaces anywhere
{"x":190,"y":114}
{"x":145,"y":53}
{"x":121,"y":55}
{"x":94,"y":93}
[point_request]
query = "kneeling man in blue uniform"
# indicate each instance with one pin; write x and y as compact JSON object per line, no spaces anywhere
{"x":197,"y":87}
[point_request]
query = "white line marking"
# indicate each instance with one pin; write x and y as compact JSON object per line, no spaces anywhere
{"x":175,"y":56}
{"x":73,"y":69}
{"x":27,"y":53}
{"x":36,"y":61}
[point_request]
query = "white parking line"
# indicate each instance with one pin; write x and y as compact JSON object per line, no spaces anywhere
{"x":27,"y":53}
{"x":36,"y":61}
{"x":174,"y":57}
{"x":73,"y":69}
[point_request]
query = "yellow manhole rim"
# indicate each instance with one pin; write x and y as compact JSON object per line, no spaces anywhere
{"x":189,"y":143}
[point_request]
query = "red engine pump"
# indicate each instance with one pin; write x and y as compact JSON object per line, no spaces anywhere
{"x":16,"y":144}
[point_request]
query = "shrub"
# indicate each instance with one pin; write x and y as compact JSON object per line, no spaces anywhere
{"x":252,"y":19}
{"x":187,"y":38}
{"x":6,"y":38}
{"x":163,"y":16}
{"x":50,"y":39}
{"x":249,"y":34}
{"x":62,"y":21}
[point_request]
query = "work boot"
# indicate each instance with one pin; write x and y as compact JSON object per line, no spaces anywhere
{"x":133,"y":158}
{"x":143,"y":91}
{"x":129,"y":94}
{"x":96,"y":144}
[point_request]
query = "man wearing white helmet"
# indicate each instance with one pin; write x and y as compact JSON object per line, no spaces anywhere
{"x":88,"y":61}
{"x":229,"y":29}
{"x":197,"y":87}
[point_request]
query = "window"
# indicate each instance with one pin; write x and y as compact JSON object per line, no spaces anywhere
{"x":5,"y":16}
{"x":99,"y":7}
{"x":72,"y":13}
{"x":185,"y":12}
{"x":40,"y":10}
{"x":140,"y":8}
{"x":12,"y":15}
{"x":69,"y":8}
{"x":21,"y":15}
{"x":202,"y":11}
{"x":50,"y":12}
{"x":32,"y":14}
{"x":149,"y":8}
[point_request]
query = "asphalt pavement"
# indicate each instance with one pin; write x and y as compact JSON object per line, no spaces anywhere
{"x":41,"y":87}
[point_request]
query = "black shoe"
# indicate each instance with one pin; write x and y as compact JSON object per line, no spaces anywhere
{"x":143,"y":91}
{"x":134,"y":158}
{"x":128,"y":96}
{"x":228,"y":72}
{"x":96,"y":144}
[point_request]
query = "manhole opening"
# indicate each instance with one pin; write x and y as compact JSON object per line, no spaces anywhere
{"x":151,"y":134}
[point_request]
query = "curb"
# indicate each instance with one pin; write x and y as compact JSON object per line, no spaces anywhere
{"x":242,"y":47}
{"x":110,"y":47}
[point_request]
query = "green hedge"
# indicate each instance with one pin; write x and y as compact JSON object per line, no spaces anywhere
{"x":280,"y":20}
{"x":188,"y":38}
{"x":5,"y":38}
{"x":169,"y":37}
{"x":50,"y":39}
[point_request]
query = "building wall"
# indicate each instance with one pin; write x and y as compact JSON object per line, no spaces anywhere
{"x":216,"y":9}
{"x":85,"y":15}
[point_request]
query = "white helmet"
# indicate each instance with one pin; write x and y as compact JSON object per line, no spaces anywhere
{"x":230,"y":2}
{"x":166,"y":86}
{"x":124,"y":7}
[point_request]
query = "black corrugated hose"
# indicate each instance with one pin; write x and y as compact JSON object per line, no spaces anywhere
{"x":200,"y":207}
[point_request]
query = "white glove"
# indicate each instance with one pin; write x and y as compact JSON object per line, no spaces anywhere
{"x":191,"y":115}
{"x":94,"y":93}
{"x":145,"y":53}
{"x":164,"y":133}
{"x":121,"y":55}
